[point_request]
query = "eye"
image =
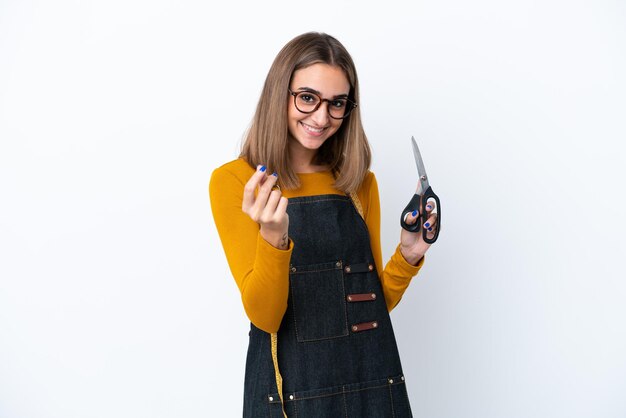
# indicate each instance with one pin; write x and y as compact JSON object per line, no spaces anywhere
{"x":338,"y":104}
{"x":307,"y":98}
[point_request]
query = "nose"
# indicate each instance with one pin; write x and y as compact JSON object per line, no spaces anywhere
{"x":320,"y":116}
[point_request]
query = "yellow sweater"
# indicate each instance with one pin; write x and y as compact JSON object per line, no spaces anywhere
{"x":261,"y":270}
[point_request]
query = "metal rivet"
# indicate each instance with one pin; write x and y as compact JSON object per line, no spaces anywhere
{"x":371,"y":267}
{"x":291,"y":397}
{"x":373,"y":295}
{"x":355,"y":328}
{"x":338,"y":264}
{"x":271,"y":398}
{"x":402,"y":378}
{"x":390,"y":380}
{"x":293,"y":269}
{"x":349,"y":298}
{"x":375,"y":324}
{"x":348,"y":269}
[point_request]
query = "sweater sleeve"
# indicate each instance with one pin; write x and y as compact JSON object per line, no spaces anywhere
{"x":261,"y":271}
{"x":396,"y":276}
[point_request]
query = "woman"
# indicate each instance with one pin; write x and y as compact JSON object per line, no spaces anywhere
{"x":303,"y":244}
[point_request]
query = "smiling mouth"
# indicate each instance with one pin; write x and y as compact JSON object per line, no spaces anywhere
{"x":310,"y":129}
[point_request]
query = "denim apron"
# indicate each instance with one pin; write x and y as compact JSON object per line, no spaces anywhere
{"x":336,"y":348}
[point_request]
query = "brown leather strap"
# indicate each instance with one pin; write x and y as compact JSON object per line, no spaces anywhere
{"x":364,"y":326}
{"x":361,"y":297}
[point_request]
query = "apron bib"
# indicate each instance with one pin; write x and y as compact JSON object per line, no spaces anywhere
{"x":336,"y":347}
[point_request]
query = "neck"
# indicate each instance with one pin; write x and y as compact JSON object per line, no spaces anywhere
{"x":302,"y":160}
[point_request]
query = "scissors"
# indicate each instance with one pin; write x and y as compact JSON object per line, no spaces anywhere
{"x":419,"y":201}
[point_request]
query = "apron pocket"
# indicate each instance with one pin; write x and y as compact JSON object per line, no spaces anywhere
{"x":382,"y":398}
{"x":400,"y":399}
{"x":319,"y":301}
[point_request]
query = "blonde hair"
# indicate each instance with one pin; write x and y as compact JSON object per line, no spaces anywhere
{"x":347,"y":152}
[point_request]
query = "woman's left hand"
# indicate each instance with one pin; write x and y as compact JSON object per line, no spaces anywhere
{"x":412,"y":244}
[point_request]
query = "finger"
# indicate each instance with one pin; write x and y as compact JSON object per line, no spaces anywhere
{"x":282,"y":205}
{"x":411,"y":217}
{"x":249,"y":189}
{"x":431,"y":223}
{"x":270,"y":206}
{"x":276,"y":212}
{"x":269,"y":183}
{"x":264,"y":193}
{"x":431,"y":205}
{"x":431,"y":231}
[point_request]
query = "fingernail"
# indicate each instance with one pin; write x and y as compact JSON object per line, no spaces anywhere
{"x":263,"y":168}
{"x":428,"y":207}
{"x":414,"y":213}
{"x":427,"y":225}
{"x":275,"y":174}
{"x":430,"y":229}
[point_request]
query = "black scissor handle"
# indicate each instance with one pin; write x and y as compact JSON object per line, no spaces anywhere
{"x":429,"y":194}
{"x":413,"y":205}
{"x":418,"y":202}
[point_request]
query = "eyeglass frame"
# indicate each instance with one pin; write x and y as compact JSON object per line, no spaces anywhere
{"x":352,"y":104}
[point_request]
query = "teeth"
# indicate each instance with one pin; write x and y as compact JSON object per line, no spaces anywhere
{"x":312,"y":129}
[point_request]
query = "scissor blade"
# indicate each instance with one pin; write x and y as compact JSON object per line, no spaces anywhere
{"x":421,"y":171}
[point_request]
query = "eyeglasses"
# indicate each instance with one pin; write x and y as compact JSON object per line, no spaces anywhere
{"x":308,"y":102}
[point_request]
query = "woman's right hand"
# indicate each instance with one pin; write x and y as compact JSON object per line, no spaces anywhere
{"x":268,"y":208}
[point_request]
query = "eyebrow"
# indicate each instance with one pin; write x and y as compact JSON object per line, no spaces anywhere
{"x":309,"y":89}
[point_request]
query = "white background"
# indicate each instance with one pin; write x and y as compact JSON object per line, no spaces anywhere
{"x":115,"y":297}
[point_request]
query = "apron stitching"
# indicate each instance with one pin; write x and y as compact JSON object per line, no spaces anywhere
{"x":313,"y":271}
{"x":345,"y":307}
{"x":393,"y":414}
{"x":295,"y":327}
{"x":338,"y":392}
{"x":305,"y":398}
{"x":293,"y":308}
{"x":318,"y":200}
{"x":345,"y":334}
{"x":345,"y":406}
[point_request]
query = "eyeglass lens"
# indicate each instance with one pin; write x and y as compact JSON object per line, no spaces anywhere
{"x":307,"y":102}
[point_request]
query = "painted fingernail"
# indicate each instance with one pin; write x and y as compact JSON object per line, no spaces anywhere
{"x":414,"y":213}
{"x":427,"y":225}
{"x":430,"y":229}
{"x":428,"y":207}
{"x":275,"y":174}
{"x":263,"y":168}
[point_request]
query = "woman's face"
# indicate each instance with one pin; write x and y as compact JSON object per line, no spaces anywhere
{"x":310,"y":130}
